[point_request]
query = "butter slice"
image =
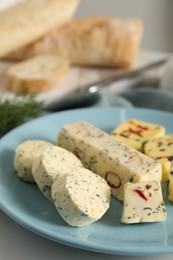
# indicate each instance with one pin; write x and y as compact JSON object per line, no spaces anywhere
{"x":135,"y":133}
{"x":161,"y":150}
{"x":52,"y":163}
{"x":81,"y":199}
{"x":25,"y":155}
{"x":116,"y":162}
{"x":143,"y":202}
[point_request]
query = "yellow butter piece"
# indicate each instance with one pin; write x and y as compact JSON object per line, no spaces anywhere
{"x":135,"y":133}
{"x":161,"y":150}
{"x":170,"y":187}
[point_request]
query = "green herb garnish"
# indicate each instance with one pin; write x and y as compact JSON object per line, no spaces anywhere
{"x":17,"y":111}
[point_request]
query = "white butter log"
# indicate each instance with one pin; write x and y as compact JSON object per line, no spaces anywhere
{"x":52,"y":163}
{"x":143,"y":202}
{"x":81,"y":199}
{"x":116,"y":162}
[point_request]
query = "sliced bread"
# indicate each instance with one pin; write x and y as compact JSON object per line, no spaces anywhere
{"x":38,"y":74}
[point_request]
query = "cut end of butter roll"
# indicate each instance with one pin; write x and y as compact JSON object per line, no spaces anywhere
{"x":143,"y":202}
{"x":116,"y":162}
{"x":81,"y":199}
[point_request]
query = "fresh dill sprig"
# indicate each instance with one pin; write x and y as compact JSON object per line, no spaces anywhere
{"x":16,"y":111}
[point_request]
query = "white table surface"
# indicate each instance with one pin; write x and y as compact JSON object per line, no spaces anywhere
{"x":18,"y":243}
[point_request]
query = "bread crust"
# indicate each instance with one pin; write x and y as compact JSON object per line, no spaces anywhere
{"x":98,"y":41}
{"x":30,"y":83}
{"x":29,"y":20}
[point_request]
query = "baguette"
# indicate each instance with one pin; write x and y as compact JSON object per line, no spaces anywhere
{"x":99,"y":41}
{"x":38,"y":74}
{"x":29,"y":20}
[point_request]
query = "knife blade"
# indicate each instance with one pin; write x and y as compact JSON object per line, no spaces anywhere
{"x":89,"y":94}
{"x":127,"y":74}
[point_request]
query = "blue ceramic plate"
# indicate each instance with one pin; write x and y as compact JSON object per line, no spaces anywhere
{"x":25,"y":204}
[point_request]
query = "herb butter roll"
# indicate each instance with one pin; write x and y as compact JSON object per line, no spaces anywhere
{"x":25,"y":155}
{"x":161,"y":150}
{"x":53,"y":162}
{"x":81,"y":199}
{"x":135,"y":133}
{"x":116,"y":162}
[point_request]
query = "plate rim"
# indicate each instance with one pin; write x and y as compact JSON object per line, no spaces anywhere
{"x":77,"y":244}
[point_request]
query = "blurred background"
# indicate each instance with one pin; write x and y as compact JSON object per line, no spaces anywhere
{"x":155,"y":14}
